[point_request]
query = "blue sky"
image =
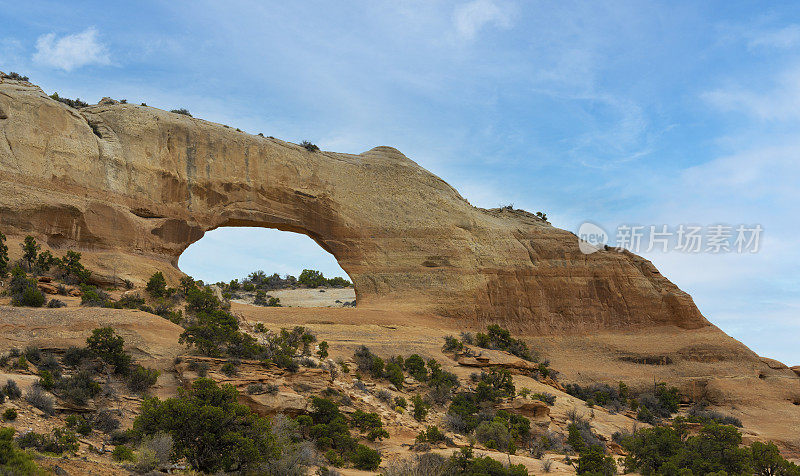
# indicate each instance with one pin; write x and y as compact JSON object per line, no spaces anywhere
{"x":615,"y":112}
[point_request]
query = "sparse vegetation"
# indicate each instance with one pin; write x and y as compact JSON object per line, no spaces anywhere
{"x":500,"y":339}
{"x":61,"y":440}
{"x":209,"y":428}
{"x":24,"y":291}
{"x":157,"y":285}
{"x":73,"y":103}
{"x":3,"y":256}
{"x":309,"y":146}
{"x":182,"y":111}
{"x":14,"y":461}
{"x":716,"y":448}
{"x":16,"y":76}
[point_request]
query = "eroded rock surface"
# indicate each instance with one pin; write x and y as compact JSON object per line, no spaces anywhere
{"x":132,"y":187}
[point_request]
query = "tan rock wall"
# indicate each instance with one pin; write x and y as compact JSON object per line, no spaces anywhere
{"x":135,"y":194}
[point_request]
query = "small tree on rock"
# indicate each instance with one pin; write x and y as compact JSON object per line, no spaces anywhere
{"x":30,"y":249}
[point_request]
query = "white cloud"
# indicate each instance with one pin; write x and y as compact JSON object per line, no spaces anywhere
{"x":780,"y":103}
{"x":786,"y":37}
{"x":71,"y":51}
{"x":471,"y":17}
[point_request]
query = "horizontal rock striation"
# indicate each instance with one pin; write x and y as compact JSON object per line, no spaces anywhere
{"x":133,"y":186}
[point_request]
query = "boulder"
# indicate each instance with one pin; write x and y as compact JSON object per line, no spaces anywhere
{"x":774,"y":364}
{"x":47,"y":288}
{"x":535,"y":410}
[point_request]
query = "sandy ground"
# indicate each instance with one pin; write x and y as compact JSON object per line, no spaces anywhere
{"x":322,"y":297}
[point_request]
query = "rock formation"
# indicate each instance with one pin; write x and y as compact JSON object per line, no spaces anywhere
{"x":133,"y":186}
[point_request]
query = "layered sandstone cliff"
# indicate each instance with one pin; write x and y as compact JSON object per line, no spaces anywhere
{"x":133,"y":186}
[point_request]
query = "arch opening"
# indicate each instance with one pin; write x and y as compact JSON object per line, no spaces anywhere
{"x":262,"y":266}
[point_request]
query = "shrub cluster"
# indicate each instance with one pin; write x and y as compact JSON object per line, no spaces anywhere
{"x":671,"y":450}
{"x":500,"y":339}
{"x":12,"y":459}
{"x":328,"y":427}
{"x":24,"y":291}
{"x":309,"y":146}
{"x":74,"y":103}
{"x":15,"y":76}
{"x":441,"y":383}
{"x":472,"y":407}
{"x":61,"y":440}
{"x":209,"y":428}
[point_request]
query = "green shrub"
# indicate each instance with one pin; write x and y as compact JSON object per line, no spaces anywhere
{"x":3,"y":256}
{"x":431,"y":434}
{"x":24,"y":291}
{"x":78,"y":423}
{"x":415,"y":366}
{"x":365,"y":458}
{"x":72,"y":270}
{"x":157,"y":285}
{"x":451,"y":344}
{"x":209,"y":428}
{"x":338,"y":282}
{"x":369,"y":424}
{"x":11,"y":389}
{"x":311,"y":278}
{"x":593,"y":461}
{"x":229,"y":368}
{"x":122,"y":453}
{"x":322,"y":353}
{"x":309,"y":146}
{"x":105,"y":344}
{"x":767,"y":460}
{"x":495,"y":384}
{"x":141,"y":378}
{"x":500,"y":339}
{"x":668,"y":450}
{"x":21,"y":363}
{"x":61,"y":440}
{"x":328,"y":427}
{"x":30,"y":249}
{"x":74,"y":356}
{"x":46,"y":380}
{"x":420,"y":407}
{"x":464,"y":462}
{"x":77,"y":388}
{"x":9,"y":414}
{"x":442,"y":382}
{"x":545,"y":397}
{"x":13,"y":461}
{"x":182,"y":111}
{"x":394,"y":374}
{"x":94,"y":297}
{"x":400,"y":401}
{"x":73,"y":103}
{"x":16,"y":76}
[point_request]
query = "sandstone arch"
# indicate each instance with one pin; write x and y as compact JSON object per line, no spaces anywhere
{"x":134,"y":186}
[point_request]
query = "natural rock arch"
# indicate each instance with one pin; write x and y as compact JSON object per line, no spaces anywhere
{"x":133,"y":186}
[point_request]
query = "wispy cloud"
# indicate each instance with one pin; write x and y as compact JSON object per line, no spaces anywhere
{"x":469,"y":18}
{"x":781,"y":102}
{"x":786,"y":37}
{"x":71,"y":51}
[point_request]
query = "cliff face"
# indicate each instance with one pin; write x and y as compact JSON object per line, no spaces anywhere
{"x":132,"y":187}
